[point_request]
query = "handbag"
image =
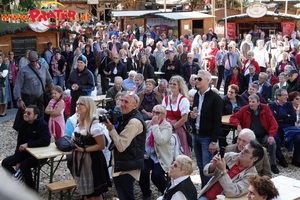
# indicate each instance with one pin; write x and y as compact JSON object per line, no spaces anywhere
{"x":64,"y":144}
{"x":46,"y":97}
{"x":187,"y":131}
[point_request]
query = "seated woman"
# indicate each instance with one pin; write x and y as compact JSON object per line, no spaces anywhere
{"x":262,"y":188}
{"x":148,"y":99}
{"x":146,"y":68}
{"x":282,"y":84}
{"x":284,"y":62}
{"x":181,"y":185}
{"x":236,"y":78}
{"x":253,"y":89}
{"x":232,"y":102}
{"x":116,"y":68}
{"x":158,"y":152}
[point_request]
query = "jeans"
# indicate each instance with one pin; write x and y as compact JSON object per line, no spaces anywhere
{"x":25,"y":167}
{"x":124,"y":186}
{"x":220,"y":76}
{"x":202,"y":198}
{"x":271,"y":148}
{"x":59,"y":80}
{"x":203,"y":156}
{"x":157,"y":177}
{"x":227,"y":73}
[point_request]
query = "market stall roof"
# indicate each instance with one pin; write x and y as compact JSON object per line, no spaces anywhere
{"x":269,"y":14}
{"x":132,"y":13}
{"x":296,"y":5}
{"x":175,"y":15}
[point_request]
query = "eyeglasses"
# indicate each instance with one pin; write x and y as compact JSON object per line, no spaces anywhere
{"x":198,"y":79}
{"x":27,"y":113}
{"x":156,"y":112}
{"x":33,"y":61}
{"x":282,"y":95}
{"x":79,"y":104}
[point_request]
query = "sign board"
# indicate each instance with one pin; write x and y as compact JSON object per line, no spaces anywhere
{"x":287,"y":28}
{"x":163,"y":25}
{"x":231,"y":30}
{"x":257,"y":10}
{"x":21,"y":44}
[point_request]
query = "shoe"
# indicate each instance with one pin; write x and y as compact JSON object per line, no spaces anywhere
{"x":283,"y":162}
{"x":3,"y":115}
{"x":297,"y":164}
{"x":274,"y":169}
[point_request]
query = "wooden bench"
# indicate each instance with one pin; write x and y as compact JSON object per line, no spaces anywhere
{"x":62,"y":186}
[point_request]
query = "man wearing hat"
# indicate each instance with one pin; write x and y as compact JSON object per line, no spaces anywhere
{"x":293,"y":81}
{"x":172,"y":65}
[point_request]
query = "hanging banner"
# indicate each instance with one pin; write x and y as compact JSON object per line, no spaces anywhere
{"x":231,"y":28}
{"x":287,"y":28}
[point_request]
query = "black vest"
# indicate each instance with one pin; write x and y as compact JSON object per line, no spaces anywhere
{"x":133,"y":156}
{"x":186,"y":187}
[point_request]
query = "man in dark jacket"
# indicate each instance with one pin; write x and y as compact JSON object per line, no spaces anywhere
{"x":189,"y":68}
{"x":206,"y":123}
{"x":34,"y":132}
{"x":293,"y":81}
{"x":172,"y":66}
{"x":129,"y":147}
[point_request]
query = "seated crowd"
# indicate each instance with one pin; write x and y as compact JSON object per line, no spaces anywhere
{"x":148,"y":113}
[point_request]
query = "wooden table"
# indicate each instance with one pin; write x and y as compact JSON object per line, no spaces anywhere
{"x":244,"y":197}
{"x":50,"y":153}
{"x":225,"y":120}
{"x":101,"y":99}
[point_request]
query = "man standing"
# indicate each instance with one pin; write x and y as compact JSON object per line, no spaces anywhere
{"x":159,"y":55}
{"x":172,"y":65}
{"x":129,"y":147}
{"x":245,"y":136}
{"x":259,"y":118}
{"x":232,"y":181}
{"x":34,"y":132}
{"x":206,"y":123}
{"x":230,"y":60}
{"x":49,"y":53}
{"x":111,"y":93}
{"x":264,"y":87}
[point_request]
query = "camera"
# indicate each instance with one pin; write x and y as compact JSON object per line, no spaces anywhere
{"x":112,"y":115}
{"x":77,"y":140}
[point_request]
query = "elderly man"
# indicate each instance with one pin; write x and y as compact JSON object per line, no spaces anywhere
{"x":129,"y":147}
{"x":250,"y":78}
{"x":206,"y":123}
{"x":151,"y":57}
{"x":111,"y":93}
{"x":245,"y":136}
{"x":129,"y":83}
{"x":285,"y":116}
{"x":162,"y":88}
{"x":189,"y":68}
{"x":264,"y":87}
{"x":272,"y":79}
{"x":34,"y":132}
{"x":230,"y":60}
{"x":159,"y":55}
{"x":140,"y":83}
{"x":172,"y":65}
{"x":230,"y":175}
{"x":181,"y":54}
{"x":246,"y":46}
{"x":258,"y":117}
{"x":28,"y":89}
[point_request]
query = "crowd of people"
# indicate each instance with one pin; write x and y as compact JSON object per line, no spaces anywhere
{"x":261,"y":91}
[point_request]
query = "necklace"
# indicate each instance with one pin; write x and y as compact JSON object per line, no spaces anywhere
{"x":174,"y":100}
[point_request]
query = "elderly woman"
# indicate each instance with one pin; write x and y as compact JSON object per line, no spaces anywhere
{"x":181,"y":186}
{"x":261,"y":188}
{"x":253,"y":89}
{"x":178,"y":108}
{"x":192,"y":82}
{"x":232,"y":102}
{"x":146,"y":68}
{"x":126,"y":60}
{"x":116,"y":68}
{"x":81,"y":82}
{"x":148,"y":99}
{"x":284,"y":62}
{"x":282,"y":84}
{"x":129,"y":83}
{"x":158,"y":152}
{"x":250,"y":61}
{"x":91,"y":176}
{"x":140,"y":83}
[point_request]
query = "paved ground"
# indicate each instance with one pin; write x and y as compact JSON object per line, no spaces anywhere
{"x":10,"y":114}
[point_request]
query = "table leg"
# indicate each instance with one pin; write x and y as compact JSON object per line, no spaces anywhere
{"x":37,"y":176}
{"x":51,"y":175}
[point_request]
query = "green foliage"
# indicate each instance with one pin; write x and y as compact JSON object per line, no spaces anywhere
{"x":26,"y":5}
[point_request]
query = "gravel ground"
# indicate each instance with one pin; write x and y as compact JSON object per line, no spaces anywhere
{"x":8,"y":143}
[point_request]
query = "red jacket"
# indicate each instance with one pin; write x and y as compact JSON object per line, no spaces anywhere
{"x":273,"y":80}
{"x":254,"y":63}
{"x":243,"y":117}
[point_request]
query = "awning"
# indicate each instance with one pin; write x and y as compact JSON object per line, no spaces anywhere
{"x":184,"y":15}
{"x":269,"y":14}
{"x":296,"y":5}
{"x":132,"y":13}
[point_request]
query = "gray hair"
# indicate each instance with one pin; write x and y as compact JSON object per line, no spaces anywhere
{"x":192,"y":92}
{"x":132,"y":72}
{"x":163,"y":81}
{"x":279,"y":91}
{"x":264,"y":74}
{"x":206,"y":74}
{"x":33,"y":56}
{"x":254,"y":96}
{"x":248,"y":132}
{"x":139,"y":76}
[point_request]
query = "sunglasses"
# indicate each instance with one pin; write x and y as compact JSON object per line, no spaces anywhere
{"x":80,"y":104}
{"x":33,"y":61}
{"x":156,"y":113}
{"x":198,"y":79}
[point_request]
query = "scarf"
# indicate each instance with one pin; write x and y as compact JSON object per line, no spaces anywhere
{"x":151,"y":137}
{"x":149,"y":97}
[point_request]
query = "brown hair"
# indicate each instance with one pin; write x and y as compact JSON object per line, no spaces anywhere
{"x":234,"y":87}
{"x":263,"y":186}
{"x":293,"y":95}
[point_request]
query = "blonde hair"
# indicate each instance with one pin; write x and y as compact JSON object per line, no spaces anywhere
{"x":161,"y":109}
{"x":91,"y":111}
{"x":181,"y":84}
{"x":187,"y":163}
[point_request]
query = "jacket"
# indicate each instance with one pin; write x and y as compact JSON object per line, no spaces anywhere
{"x":162,"y":143}
{"x":266,"y":90}
{"x":267,"y":120}
{"x":227,"y":105}
{"x":121,"y":70}
{"x":185,"y":70}
{"x":211,"y":115}
{"x":157,"y":96}
{"x":169,"y":73}
{"x":236,"y":61}
{"x":273,"y":80}
{"x":254,"y":63}
{"x":148,"y":71}
{"x":276,"y":87}
{"x":245,"y":95}
{"x":262,"y":167}
{"x":286,"y":119}
{"x":235,"y":187}
{"x":247,"y":79}
{"x":240,"y":81}
{"x":36,"y":134}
